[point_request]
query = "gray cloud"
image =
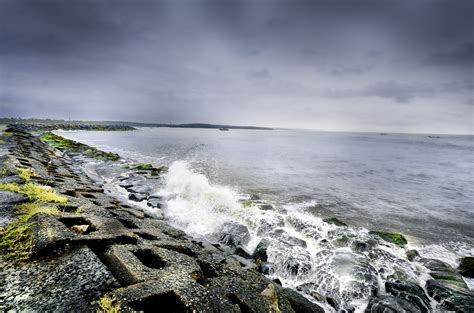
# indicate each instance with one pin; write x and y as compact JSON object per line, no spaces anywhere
{"x":313,"y":64}
{"x":461,"y":55}
{"x":396,"y":91}
{"x":351,"y":70}
{"x":258,"y":74}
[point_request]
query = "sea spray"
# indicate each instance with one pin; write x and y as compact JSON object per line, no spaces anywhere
{"x":374,"y":189}
{"x":345,"y":264}
{"x":194,"y":204}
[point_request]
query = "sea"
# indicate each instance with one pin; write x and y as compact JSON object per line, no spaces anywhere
{"x":418,"y":185}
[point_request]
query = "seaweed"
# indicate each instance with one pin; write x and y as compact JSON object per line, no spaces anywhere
{"x":74,"y":146}
{"x":108,"y":304}
{"x":26,"y":173}
{"x":394,"y":238}
{"x":35,"y":191}
{"x":17,"y":237}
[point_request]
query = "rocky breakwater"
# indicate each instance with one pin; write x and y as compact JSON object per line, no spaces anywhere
{"x":74,"y":126}
{"x":68,"y":246}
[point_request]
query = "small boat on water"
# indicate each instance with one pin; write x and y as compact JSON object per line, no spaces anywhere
{"x":434,"y":136}
{"x":223,"y":129}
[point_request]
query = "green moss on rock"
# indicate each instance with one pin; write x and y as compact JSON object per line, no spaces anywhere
{"x":247,"y":203}
{"x":107,"y":304}
{"x":35,"y":192}
{"x":148,"y":167}
{"x":26,"y":173}
{"x":394,"y":238}
{"x":73,"y":146}
{"x":17,"y":238}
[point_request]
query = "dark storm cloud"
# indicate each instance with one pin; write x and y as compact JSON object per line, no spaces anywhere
{"x":274,"y":63}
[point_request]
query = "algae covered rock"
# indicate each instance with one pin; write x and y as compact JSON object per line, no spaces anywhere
{"x":394,"y":238}
{"x":450,"y":296}
{"x":440,"y":270}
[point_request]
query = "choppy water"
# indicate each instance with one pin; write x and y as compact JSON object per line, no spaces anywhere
{"x":419,"y":186}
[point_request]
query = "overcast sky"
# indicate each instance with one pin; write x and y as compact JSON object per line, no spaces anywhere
{"x":392,"y":66}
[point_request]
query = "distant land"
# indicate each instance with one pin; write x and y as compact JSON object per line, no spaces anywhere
{"x":123,"y":123}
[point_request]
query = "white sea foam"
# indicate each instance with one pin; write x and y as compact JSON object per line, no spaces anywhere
{"x":194,"y":204}
{"x":327,"y":262}
{"x":365,"y":187}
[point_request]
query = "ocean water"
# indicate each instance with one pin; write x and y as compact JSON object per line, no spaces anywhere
{"x":419,"y":186}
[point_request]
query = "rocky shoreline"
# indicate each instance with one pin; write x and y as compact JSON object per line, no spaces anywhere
{"x":96,"y":253}
{"x":88,"y":251}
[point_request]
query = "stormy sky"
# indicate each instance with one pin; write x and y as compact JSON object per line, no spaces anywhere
{"x":374,"y":65}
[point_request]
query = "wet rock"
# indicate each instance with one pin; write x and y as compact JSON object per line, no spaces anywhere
{"x":260,"y":252}
{"x":10,"y":179}
{"x":126,"y":185}
{"x":138,"y":197}
{"x":232,"y":234}
{"x":48,"y":234}
{"x":466,"y":267}
{"x":8,"y":200}
{"x":383,"y":304}
{"x":450,"y":295}
{"x":334,"y":221}
{"x":412,"y":255}
{"x":300,"y":304}
{"x":243,"y":253}
{"x":440,"y":270}
{"x":134,"y":264}
{"x":293,"y":241}
{"x":310,"y":289}
{"x":277,"y":233}
{"x":139,"y":189}
{"x":298,"y":266}
{"x":266,"y":207}
{"x":268,"y":225}
{"x":243,"y":262}
{"x":411,"y":293}
{"x":341,"y":240}
{"x":155,"y":202}
{"x":363,"y":246}
{"x":394,"y":238}
{"x":266,"y":268}
{"x":254,"y":197}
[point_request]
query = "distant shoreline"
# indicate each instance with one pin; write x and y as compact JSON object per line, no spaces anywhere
{"x":125,"y":124}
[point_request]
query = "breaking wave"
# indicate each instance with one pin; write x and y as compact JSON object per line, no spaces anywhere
{"x":345,"y":265}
